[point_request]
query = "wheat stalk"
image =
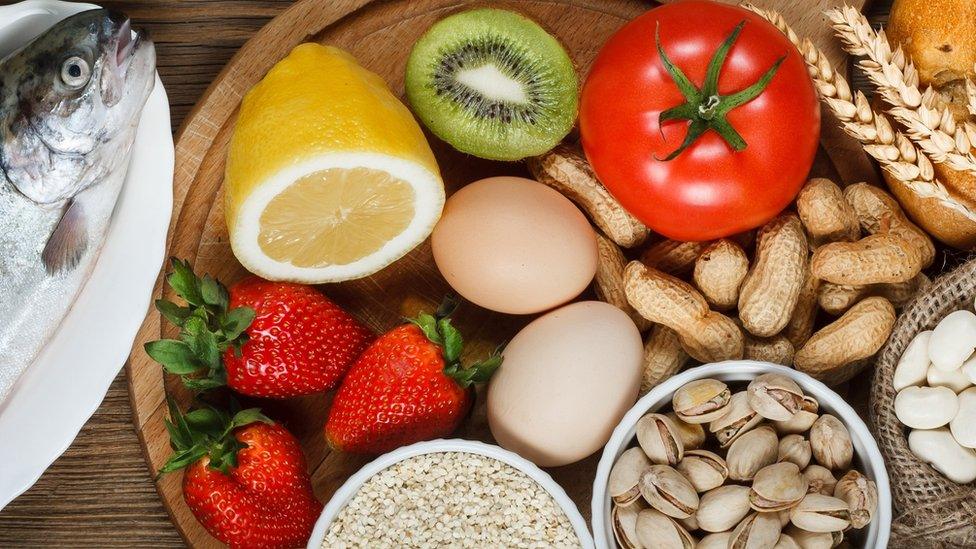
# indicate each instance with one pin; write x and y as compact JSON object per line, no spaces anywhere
{"x":893,"y":150}
{"x":971,"y":94}
{"x":926,"y":118}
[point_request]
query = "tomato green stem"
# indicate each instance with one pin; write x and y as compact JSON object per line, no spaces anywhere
{"x":704,"y":108}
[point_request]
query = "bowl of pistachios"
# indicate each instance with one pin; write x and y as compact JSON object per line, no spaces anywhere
{"x":741,"y":454}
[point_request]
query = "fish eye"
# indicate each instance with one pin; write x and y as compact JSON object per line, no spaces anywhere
{"x":75,"y":72}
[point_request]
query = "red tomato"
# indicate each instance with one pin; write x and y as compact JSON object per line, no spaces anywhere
{"x":709,"y":190}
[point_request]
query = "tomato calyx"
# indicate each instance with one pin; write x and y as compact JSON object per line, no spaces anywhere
{"x":704,"y":107}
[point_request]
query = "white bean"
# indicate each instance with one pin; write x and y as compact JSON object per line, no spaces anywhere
{"x":914,"y":362}
{"x":937,"y":448}
{"x":926,"y":407}
{"x":953,"y":340}
{"x":953,"y":379}
{"x":969,"y":368}
{"x":963,"y":426}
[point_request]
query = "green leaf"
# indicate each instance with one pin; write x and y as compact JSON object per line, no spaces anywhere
{"x":185,"y":283}
{"x":236,"y":321}
{"x":428,"y":325}
{"x":182,"y":459}
{"x":480,"y":372}
{"x":176,"y":356}
{"x":685,"y":86}
{"x":732,"y":101}
{"x":695,"y":130}
{"x":172,"y":312}
{"x":206,"y":420}
{"x":213,"y":293}
{"x":202,"y":384}
{"x":247,"y":417}
{"x":710,"y":87}
{"x":452,"y":340}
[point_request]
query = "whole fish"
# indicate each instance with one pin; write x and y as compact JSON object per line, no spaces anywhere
{"x":70,"y":103}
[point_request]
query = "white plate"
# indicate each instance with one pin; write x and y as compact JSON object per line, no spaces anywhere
{"x":346,"y":492}
{"x":59,"y":392}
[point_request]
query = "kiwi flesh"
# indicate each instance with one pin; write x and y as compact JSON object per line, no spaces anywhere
{"x":493,"y":84}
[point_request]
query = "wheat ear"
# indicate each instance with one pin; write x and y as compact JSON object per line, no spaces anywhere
{"x":927,"y":121}
{"x":893,"y":150}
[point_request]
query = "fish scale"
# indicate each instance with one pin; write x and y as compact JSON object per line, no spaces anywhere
{"x":69,"y":109}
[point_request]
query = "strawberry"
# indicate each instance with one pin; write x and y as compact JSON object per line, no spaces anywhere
{"x":261,"y":338}
{"x":246,"y":479}
{"x":406,"y":387}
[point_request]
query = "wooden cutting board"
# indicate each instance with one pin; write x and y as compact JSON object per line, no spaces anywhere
{"x":379,"y":33}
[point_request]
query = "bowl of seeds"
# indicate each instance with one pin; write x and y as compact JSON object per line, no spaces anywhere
{"x":456,"y":493}
{"x":741,"y":454}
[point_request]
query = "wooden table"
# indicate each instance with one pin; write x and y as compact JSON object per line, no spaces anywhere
{"x":99,"y":494}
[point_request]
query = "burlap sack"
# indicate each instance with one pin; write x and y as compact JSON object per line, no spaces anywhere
{"x":930,"y":511}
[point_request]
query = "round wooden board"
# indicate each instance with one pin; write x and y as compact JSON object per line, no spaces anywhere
{"x":379,"y":33}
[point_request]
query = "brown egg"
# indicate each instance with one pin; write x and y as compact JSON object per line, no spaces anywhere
{"x":514,"y":245}
{"x":566,"y":381}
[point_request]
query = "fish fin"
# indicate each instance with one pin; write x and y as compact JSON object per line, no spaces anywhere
{"x":69,"y":241}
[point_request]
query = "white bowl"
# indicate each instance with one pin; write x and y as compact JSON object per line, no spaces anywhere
{"x":867,"y":457}
{"x":352,"y":485}
{"x":56,"y":395}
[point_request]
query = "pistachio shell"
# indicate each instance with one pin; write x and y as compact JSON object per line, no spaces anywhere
{"x":786,"y":542}
{"x":666,"y":490}
{"x":655,"y":529}
{"x":777,"y":487}
{"x":658,"y":436}
{"x":705,"y":470}
{"x":831,"y":443}
{"x":820,"y":480}
{"x":692,"y":435}
{"x":739,"y":419}
{"x":751,"y":452}
{"x":624,"y":523}
{"x":820,"y":513}
{"x":775,"y":396}
{"x":861,"y":495}
{"x":795,"y":449}
{"x":802,"y":420}
{"x":756,"y":531}
{"x":814,"y":540}
{"x":718,"y":540}
{"x":625,"y":476}
{"x":722,"y":508}
{"x":701,"y":401}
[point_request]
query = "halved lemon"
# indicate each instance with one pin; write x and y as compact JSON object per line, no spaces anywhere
{"x":329,"y":177}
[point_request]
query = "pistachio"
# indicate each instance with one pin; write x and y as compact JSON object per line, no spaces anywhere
{"x":802,"y":420}
{"x":784,"y":517}
{"x":690,"y":523}
{"x":718,"y":540}
{"x":795,"y":449}
{"x":692,"y":435}
{"x":861,"y":495}
{"x":625,"y":476}
{"x":820,"y":480}
{"x":775,"y":396}
{"x":786,"y":542}
{"x":658,"y":436}
{"x":655,"y":529}
{"x":701,"y":401}
{"x":705,"y":470}
{"x":756,"y":531}
{"x":624,"y":522}
{"x":722,"y":508}
{"x":666,"y":490}
{"x":831,"y":443}
{"x":820,"y":513}
{"x":814,"y":540}
{"x":777,"y":487}
{"x":738,"y":420}
{"x":751,"y":452}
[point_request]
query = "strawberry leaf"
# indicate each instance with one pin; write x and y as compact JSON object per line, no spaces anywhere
{"x":247,"y":417}
{"x":453,"y":342}
{"x":176,"y":356}
{"x":236,"y":321}
{"x":207,"y":431}
{"x":184,"y":282}
{"x":214,"y":293}
{"x":428,"y":325}
{"x":172,"y":312}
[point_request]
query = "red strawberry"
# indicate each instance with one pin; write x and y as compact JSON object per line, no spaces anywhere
{"x":246,"y":479}
{"x":406,"y":387}
{"x":264,"y":339}
{"x":299,"y":343}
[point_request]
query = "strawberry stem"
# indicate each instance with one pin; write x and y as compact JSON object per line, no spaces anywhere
{"x":439,"y":331}
{"x":206,"y":431}
{"x":208,"y":327}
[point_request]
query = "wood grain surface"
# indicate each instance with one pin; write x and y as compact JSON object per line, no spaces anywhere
{"x":100,"y":493}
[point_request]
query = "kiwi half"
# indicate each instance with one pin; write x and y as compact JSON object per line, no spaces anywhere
{"x":493,"y":84}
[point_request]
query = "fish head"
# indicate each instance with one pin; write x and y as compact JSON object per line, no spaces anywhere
{"x":71,"y":100}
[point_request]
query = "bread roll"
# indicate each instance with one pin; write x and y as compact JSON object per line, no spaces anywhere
{"x":940,"y":37}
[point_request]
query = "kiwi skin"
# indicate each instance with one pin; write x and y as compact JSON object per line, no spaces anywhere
{"x":493,"y":128}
